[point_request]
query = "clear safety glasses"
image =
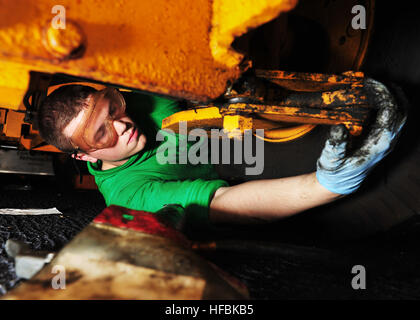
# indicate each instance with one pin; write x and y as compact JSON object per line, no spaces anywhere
{"x":96,"y":130}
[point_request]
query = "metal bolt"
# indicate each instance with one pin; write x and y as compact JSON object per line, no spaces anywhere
{"x":68,"y":43}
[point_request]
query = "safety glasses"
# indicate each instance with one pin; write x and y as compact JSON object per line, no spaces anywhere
{"x":96,"y":129}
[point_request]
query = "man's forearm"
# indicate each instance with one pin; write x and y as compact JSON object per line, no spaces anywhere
{"x":266,"y":200}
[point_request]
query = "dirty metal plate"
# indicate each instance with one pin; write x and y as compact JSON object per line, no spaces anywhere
{"x":24,"y":162}
{"x":105,"y":262}
{"x":91,"y":278}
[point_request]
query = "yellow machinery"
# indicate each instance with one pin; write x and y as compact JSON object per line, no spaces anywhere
{"x":189,"y":51}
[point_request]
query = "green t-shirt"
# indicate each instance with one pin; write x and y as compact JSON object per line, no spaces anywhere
{"x":142,"y":183}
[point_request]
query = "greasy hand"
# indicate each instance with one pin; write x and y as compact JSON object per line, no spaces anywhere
{"x":343,"y":174}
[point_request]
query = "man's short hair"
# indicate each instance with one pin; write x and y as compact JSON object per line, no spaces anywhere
{"x":58,"y":110}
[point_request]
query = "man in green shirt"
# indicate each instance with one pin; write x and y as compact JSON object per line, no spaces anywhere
{"x":116,"y":133}
{"x":140,"y":181}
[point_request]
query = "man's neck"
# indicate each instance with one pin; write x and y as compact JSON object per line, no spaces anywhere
{"x":112,"y":164}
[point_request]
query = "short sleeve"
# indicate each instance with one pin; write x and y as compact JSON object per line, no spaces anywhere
{"x":194,"y":195}
{"x":163,"y":108}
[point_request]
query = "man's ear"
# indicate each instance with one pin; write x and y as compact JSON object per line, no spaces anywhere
{"x":84,"y":157}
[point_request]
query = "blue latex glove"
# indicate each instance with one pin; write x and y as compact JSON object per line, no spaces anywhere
{"x":343,"y":174}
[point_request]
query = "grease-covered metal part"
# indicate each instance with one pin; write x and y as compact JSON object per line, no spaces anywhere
{"x":323,"y":25}
{"x":341,"y":170}
{"x":390,"y":119}
{"x":271,"y":97}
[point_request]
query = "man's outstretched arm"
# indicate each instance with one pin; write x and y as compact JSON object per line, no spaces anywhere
{"x":265,"y":200}
{"x":338,"y":173}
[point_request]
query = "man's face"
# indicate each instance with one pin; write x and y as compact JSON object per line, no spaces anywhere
{"x":130,"y":140}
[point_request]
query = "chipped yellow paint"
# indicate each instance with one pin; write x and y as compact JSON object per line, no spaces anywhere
{"x":242,"y":116}
{"x":210,"y":114}
{"x":235,"y":125}
{"x":341,"y":95}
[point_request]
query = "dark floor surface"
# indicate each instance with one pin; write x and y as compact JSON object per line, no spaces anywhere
{"x":293,"y":264}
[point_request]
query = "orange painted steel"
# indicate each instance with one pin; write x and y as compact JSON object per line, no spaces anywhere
{"x":180,"y":50}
